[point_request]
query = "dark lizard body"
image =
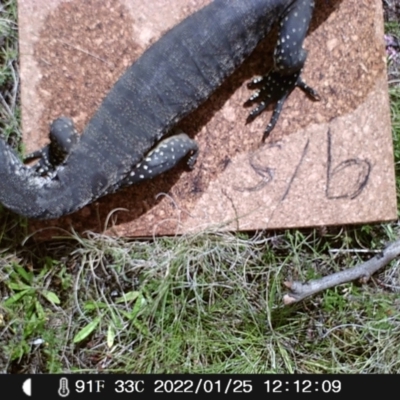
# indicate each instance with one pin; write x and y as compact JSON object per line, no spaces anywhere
{"x":122,"y":144}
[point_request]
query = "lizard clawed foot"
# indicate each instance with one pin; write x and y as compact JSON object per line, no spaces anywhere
{"x":274,"y":88}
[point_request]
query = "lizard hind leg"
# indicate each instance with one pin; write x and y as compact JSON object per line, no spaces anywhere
{"x":167,"y":154}
{"x":63,"y":136}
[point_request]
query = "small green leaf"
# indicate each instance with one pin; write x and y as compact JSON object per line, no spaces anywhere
{"x":51,"y":297}
{"x":39,"y":310}
{"x":87,"y":330}
{"x":26,"y":276}
{"x":126,"y":297}
{"x":16,"y":297}
{"x":110,"y":336}
{"x":18,"y":286}
{"x":91,"y":305}
{"x":140,"y":302}
{"x":140,"y":327}
{"x":126,"y":314}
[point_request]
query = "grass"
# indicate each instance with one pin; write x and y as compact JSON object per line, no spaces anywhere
{"x":205,"y":303}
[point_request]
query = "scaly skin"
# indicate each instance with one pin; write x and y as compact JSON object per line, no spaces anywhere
{"x":123,"y":142}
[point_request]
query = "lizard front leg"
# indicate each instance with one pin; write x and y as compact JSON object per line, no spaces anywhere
{"x":289,"y":59}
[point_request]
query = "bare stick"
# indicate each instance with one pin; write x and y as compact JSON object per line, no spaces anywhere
{"x":299,"y":291}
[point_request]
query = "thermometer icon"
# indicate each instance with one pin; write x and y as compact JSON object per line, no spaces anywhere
{"x":63,"y":390}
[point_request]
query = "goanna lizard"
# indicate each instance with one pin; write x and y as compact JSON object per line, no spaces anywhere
{"x":125,"y":141}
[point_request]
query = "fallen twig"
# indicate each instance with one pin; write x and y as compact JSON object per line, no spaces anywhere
{"x":299,"y":291}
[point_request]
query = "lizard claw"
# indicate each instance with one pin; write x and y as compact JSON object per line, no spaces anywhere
{"x":275,"y":88}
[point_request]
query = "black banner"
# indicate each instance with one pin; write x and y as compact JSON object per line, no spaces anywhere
{"x":134,"y":386}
